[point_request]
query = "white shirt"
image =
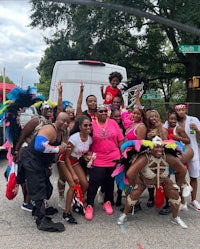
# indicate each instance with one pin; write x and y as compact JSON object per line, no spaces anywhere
{"x":80,"y":148}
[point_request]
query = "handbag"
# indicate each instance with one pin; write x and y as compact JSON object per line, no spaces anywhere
{"x":12,"y":186}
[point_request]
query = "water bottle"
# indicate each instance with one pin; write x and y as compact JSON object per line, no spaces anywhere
{"x":191,"y":130}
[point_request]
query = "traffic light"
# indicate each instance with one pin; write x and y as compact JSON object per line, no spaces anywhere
{"x":195,"y":80}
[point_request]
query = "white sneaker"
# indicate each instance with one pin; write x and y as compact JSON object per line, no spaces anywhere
{"x":122,"y":219}
{"x":183,"y":207}
{"x":179,"y":222}
{"x":61,"y":203}
{"x":195,"y":205}
{"x":187,"y":189}
{"x":100,"y":197}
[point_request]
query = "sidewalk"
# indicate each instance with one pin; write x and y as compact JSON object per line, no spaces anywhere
{"x":145,"y":230}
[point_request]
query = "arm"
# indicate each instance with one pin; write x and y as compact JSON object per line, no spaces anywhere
{"x":122,"y":99}
{"x":161,"y":130}
{"x":69,"y":165}
{"x":135,"y":168}
{"x":44,"y":140}
{"x":26,"y":132}
{"x":181,"y":135}
{"x":141,"y":132}
{"x":195,"y":126}
{"x":60,"y":90}
{"x":103,"y":94}
{"x":79,"y":111}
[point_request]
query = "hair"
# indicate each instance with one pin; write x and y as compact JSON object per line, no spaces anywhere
{"x":148,"y":113}
{"x":115,"y":74}
{"x":78,"y":123}
{"x":144,"y":116}
{"x":91,"y":95}
{"x":171,"y":111}
{"x":113,"y":110}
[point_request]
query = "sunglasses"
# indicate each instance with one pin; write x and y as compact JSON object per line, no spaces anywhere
{"x":87,"y":125}
{"x":48,"y":109}
{"x":102,"y":111}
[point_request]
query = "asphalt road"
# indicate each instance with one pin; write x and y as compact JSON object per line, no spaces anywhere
{"x":145,"y":230}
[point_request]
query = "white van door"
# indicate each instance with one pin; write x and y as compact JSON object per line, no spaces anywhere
{"x":92,"y":73}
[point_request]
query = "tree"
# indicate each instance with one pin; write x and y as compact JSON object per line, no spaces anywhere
{"x":7,"y":79}
{"x":142,"y":42}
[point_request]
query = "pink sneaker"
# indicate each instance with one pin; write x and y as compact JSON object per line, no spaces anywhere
{"x":108,"y":207}
{"x":89,"y":212}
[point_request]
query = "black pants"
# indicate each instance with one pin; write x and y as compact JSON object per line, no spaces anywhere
{"x":99,"y":176}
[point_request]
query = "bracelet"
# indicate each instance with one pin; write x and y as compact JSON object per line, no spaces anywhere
{"x":16,"y":152}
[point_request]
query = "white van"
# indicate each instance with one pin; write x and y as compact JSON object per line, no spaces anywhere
{"x":92,"y":73}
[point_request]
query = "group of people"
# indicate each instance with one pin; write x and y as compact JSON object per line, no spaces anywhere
{"x":87,"y":146}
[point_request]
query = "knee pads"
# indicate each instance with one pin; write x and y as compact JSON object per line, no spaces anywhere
{"x":174,"y":202}
{"x":130,"y":201}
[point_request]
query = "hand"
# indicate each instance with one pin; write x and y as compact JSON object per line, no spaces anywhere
{"x":59,"y":87}
{"x":81,"y":86}
{"x":193,"y":127}
{"x":102,"y":87}
{"x":63,"y":148}
{"x":75,"y":178}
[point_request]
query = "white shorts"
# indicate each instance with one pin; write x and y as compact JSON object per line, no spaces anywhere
{"x":194,"y":168}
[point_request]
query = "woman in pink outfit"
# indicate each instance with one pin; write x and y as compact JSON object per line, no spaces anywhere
{"x":107,"y":139}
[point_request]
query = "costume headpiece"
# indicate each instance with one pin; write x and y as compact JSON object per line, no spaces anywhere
{"x":180,"y":106}
{"x":102,"y":106}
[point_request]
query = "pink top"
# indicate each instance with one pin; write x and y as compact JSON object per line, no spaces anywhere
{"x":105,"y":143}
{"x":127,"y":119}
{"x":131,"y":135}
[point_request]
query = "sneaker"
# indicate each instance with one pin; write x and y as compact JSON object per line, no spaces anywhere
{"x":108,"y":207}
{"x":179,"y":222}
{"x":61,"y":203}
{"x":187,"y":189}
{"x":183,"y":207}
{"x":150,"y":203}
{"x":69,"y":218}
{"x":165,"y":210}
{"x":100,"y":197}
{"x":122,"y":219}
{"x":78,"y":209}
{"x":46,"y":224}
{"x":27,"y":207}
{"x":89,"y":212}
{"x":195,"y":205}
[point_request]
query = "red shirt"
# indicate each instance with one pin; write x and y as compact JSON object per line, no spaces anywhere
{"x":111,"y":93}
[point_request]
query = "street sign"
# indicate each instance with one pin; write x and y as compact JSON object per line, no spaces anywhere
{"x":189,"y":49}
{"x":151,"y":96}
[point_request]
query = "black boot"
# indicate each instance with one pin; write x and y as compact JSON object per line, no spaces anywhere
{"x":46,"y":224}
{"x":119,"y":198}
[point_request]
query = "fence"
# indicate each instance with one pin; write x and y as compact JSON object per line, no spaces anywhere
{"x":193,"y":108}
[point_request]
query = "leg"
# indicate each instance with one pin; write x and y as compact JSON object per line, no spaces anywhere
{"x":174,"y":199}
{"x":61,"y":182}
{"x":96,"y":177}
{"x":194,"y":184}
{"x":193,"y":170}
{"x":109,"y":185}
{"x":150,"y":202}
{"x":82,"y":178}
{"x":132,"y":200}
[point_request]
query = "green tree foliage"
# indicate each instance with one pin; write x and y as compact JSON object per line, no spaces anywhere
{"x":7,"y":79}
{"x":147,"y":49}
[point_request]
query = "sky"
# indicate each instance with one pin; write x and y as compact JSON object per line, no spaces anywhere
{"x":21,"y":47}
